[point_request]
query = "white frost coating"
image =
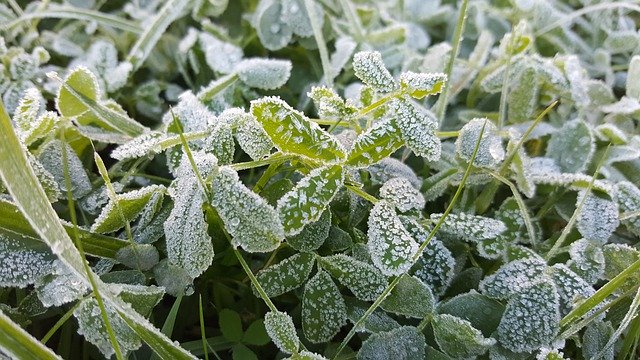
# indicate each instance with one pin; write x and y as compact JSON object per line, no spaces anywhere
{"x":598,"y":218}
{"x":253,"y":223}
{"x":59,"y":287}
{"x":249,"y":132}
{"x":138,"y":256}
{"x":411,"y":298}
{"x":577,"y":77}
{"x":405,"y":342}
{"x":273,"y":33}
{"x":313,"y":235}
{"x":220,"y":56}
{"x":192,"y":114}
{"x":629,"y":201}
{"x":421,"y":84}
{"x":282,"y":331}
{"x":572,"y":146}
{"x":364,"y":280}
{"x":286,"y":275}
{"x":188,"y":242}
{"x":587,"y":260}
{"x":402,"y":194}
{"x":130,"y":204}
{"x":91,"y":326}
{"x":307,"y":355}
{"x":571,"y":288}
{"x":143,"y":145}
{"x":389,"y":168}
{"x":436,"y":267}
{"x":490,"y":152}
{"x":390,"y":244}
{"x":417,"y":127}
{"x":22,"y":265}
{"x":370,"y":68}
{"x":513,"y":278}
{"x":294,"y":14}
{"x":323,"y":309}
{"x":51,"y":157}
{"x":220,"y":142}
{"x":267,"y":74}
{"x":375,"y":144}
{"x":344,"y":48}
{"x":470,"y":227}
{"x":28,"y":109}
{"x":457,"y":338}
{"x":330,"y":105}
{"x":531,"y":318}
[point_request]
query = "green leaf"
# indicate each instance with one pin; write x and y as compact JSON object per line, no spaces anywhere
{"x":390,"y":244}
{"x":175,"y":280}
{"x":230,"y":325}
{"x":364,"y":280}
{"x":376,"y":144}
{"x":490,"y":152}
{"x":250,"y":135}
{"x":286,"y":275}
{"x":138,"y":256}
{"x":323,"y":309}
{"x":419,"y":85}
{"x":306,"y":202}
{"x":572,"y":289}
{"x":417,"y":127}
{"x":60,"y":286}
{"x":146,"y":144}
{"x":220,"y":142}
{"x":436,"y":267}
{"x":369,"y":67}
{"x":587,"y":260}
{"x":403,"y":343}
{"x":401,"y":193}
{"x":594,"y":339}
{"x":629,"y":202}
{"x":19,"y":344}
{"x":256,"y":334}
{"x":313,"y":235}
{"x":469,"y":227}
{"x":253,"y":223}
{"x":598,"y":216}
{"x":410,"y":298}
{"x":481,"y":311}
{"x":272,"y":31}
{"x":142,"y":298}
{"x":280,"y":328}
{"x":242,"y":352}
{"x":513,"y":278}
{"x":267,"y":74}
{"x":572,"y":147}
{"x":293,"y":133}
{"x":618,"y":257}
{"x":23,"y":261}
{"x":84,"y":82}
{"x":129,"y":206}
{"x":306,"y":355}
{"x":524,"y":95}
{"x":51,"y":159}
{"x":457,"y":338}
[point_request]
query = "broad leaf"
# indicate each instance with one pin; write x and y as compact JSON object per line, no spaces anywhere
{"x":436,"y":267}
{"x":23,"y":261}
{"x":83,"y":82}
{"x":250,"y":135}
{"x":417,"y":128}
{"x":629,"y":202}
{"x":457,"y":338}
{"x":60,"y":287}
{"x":128,"y":208}
{"x":513,"y":278}
{"x":410,"y":298}
{"x":264,"y":74}
{"x":323,"y":309}
{"x":419,"y":85}
{"x":51,"y":159}
{"x":377,"y":143}
{"x":571,"y":288}
{"x":481,"y":311}
{"x":587,"y":260}
{"x":400,"y":192}
{"x":404,"y":343}
{"x":490,"y":152}
{"x":369,"y":68}
{"x":280,"y":328}
{"x":141,"y":298}
{"x":470,"y":227}
{"x":313,"y":235}
{"x":364,"y":280}
{"x":598,"y":217}
{"x":572,"y":147}
{"x":286,"y":275}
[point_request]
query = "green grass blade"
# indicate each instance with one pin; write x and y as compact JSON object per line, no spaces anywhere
{"x":19,"y":344}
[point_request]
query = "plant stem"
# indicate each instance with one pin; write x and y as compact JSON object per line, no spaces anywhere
{"x":59,"y":323}
{"x":365,"y":195}
{"x":217,"y":86}
{"x":322,"y":46}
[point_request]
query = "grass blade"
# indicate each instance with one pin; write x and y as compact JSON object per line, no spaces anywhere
{"x":19,"y":344}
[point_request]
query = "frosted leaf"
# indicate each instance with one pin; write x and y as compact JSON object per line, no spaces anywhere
{"x":571,"y":288}
{"x":192,"y":114}
{"x":188,"y":242}
{"x":323,"y":309}
{"x":150,"y":226}
{"x":419,"y":85}
{"x":458,"y":338}
{"x":549,"y":354}
{"x":436,"y":267}
{"x":369,"y":67}
{"x":92,"y":327}
{"x":281,"y":330}
{"x":338,"y":240}
{"x":141,"y":298}
{"x":390,"y":244}
{"x":313,"y":235}
{"x":46,"y":179}
{"x":306,"y":202}
{"x":378,"y":321}
{"x":248,"y":218}
{"x":410,"y":298}
{"x":509,"y":213}
{"x":470,"y":227}
{"x":629,"y":202}
{"x":633,"y":78}
{"x":587,"y":260}
{"x":60,"y":286}
{"x":82,"y":81}
{"x":220,"y":142}
{"x":30,"y":105}
{"x":403,"y":343}
{"x":250,"y":135}
{"x":376,"y":144}
{"x":138,"y":256}
{"x":22,"y":67}
{"x":344,"y":48}
{"x":294,"y":14}
{"x":618,"y":257}
{"x":490,"y":151}
{"x":594,"y":339}
{"x":286,"y":275}
{"x":598,"y":217}
{"x":513,"y":278}
{"x":523,"y":95}
{"x":577,"y":77}
{"x":531,"y":318}
{"x":129,"y":206}
{"x":364,"y":280}
{"x":117,"y":76}
{"x":621,"y":41}
{"x":399,"y":192}
{"x":220,"y":56}
{"x":306,"y":355}
{"x":572,"y":147}
{"x":40,"y":128}
{"x":330,"y":105}
{"x":23,"y":261}
{"x":481,"y":311}
{"x":264,"y":74}
{"x":625,"y":106}
{"x":417,"y":127}
{"x":143,"y":145}
{"x":389,"y":168}
{"x":273,"y":33}
{"x":51,"y":158}
{"x":293,"y":133}
{"x":175,"y":280}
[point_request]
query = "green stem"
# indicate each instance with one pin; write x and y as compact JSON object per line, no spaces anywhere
{"x":59,"y":323}
{"x":353,"y":19}
{"x":275,"y":158}
{"x":202,"y":331}
{"x":365,"y":195}
{"x":322,"y":46}
{"x":217,"y":86}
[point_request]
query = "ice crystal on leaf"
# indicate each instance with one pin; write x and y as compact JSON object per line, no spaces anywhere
{"x":330,"y":105}
{"x":419,"y":85}
{"x":323,"y":309}
{"x":313,"y":235}
{"x":571,"y":287}
{"x":389,"y":168}
{"x":402,"y":194}
{"x":587,"y":260}
{"x":267,"y":74}
{"x":470,"y":227}
{"x":594,"y":339}
{"x":410,"y":298}
{"x":60,"y":286}
{"x":51,"y":158}
{"x":294,"y":14}
{"x":629,"y":202}
{"x":458,"y":338}
{"x":138,"y":256}
{"x":513,"y":278}
{"x":286,"y":275}
{"x":23,"y":261}
{"x":436,"y":267}
{"x":249,"y":219}
{"x":220,"y":56}
{"x":220,"y":142}
{"x":403,"y":343}
{"x":143,"y":145}
{"x":306,"y":202}
{"x":273,"y":32}
{"x":417,"y":127}
{"x":618,"y":257}
{"x":128,"y":208}
{"x":364,"y":280}
{"x":598,"y":217}
{"x":192,"y":114}
{"x":369,"y":67}
{"x":250,"y":135}
{"x":175,"y":280}
{"x":375,"y":144}
{"x":490,"y":152}
{"x":572,"y":146}
{"x":282,"y":331}
{"x":83,"y":82}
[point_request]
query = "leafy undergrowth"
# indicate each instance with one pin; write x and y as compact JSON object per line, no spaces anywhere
{"x":331,"y":179}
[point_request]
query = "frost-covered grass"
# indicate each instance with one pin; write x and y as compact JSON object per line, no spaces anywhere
{"x":319,"y":179}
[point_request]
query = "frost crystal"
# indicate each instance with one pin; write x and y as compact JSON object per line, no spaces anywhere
{"x":323,"y":309}
{"x":390,"y":244}
{"x":313,"y":235}
{"x":143,"y":145}
{"x":51,"y":158}
{"x":138,"y":256}
{"x":390,"y":168}
{"x":281,"y":330}
{"x":273,"y":32}
{"x":129,"y":206}
{"x":470,"y":227}
{"x":513,"y":278}
{"x":572,"y":147}
{"x":531,"y":318}
{"x":629,"y":202}
{"x":598,"y":217}
{"x":587,"y":260}
{"x":60,"y":286}
{"x":286,"y":275}
{"x":330,"y":105}
{"x":364,"y":280}
{"x":375,"y":144}
{"x":220,"y":142}
{"x":82,"y":81}
{"x":219,"y":55}
{"x":417,"y":127}
{"x":251,"y":221}
{"x":571,"y":287}
{"x":192,"y":114}
{"x":23,"y":261}
{"x":306,"y":202}
{"x":402,"y":194}
{"x":370,"y":68}
{"x":295,"y":15}
{"x":458,"y":338}
{"x":410,"y":298}
{"x":250,"y":135}
{"x":405,"y":343}
{"x":267,"y":74}
{"x":419,"y":85}
{"x":436,"y":267}
{"x":490,"y":152}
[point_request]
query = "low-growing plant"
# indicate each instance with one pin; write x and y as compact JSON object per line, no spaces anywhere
{"x":331,"y":179}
